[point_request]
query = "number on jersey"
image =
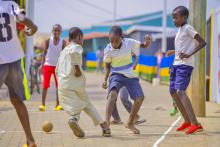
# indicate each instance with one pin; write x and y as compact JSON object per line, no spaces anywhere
{"x":6,"y":25}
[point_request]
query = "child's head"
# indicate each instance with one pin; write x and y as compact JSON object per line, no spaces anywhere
{"x":115,"y":36}
{"x":76,"y":35}
{"x":180,"y":16}
{"x":57,"y":29}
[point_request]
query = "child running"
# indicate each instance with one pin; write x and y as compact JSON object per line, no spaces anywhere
{"x":72,"y":84}
{"x":53,"y":46}
{"x":180,"y":72}
{"x":118,"y":59}
{"x":10,"y":61}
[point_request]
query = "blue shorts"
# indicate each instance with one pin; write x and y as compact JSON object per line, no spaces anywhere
{"x":180,"y":77}
{"x":11,"y":74}
{"x":117,"y":81}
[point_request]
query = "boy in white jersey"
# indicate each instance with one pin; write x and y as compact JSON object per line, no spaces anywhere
{"x":180,"y":72}
{"x":118,"y":59}
{"x":53,"y":46}
{"x":10,"y":57}
{"x":72,"y":82}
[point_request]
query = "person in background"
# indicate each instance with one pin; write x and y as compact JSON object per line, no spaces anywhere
{"x":53,"y":46}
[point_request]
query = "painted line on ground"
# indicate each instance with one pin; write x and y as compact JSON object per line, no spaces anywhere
{"x":165,"y":133}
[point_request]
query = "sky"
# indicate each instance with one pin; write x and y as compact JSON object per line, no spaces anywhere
{"x":84,"y":13}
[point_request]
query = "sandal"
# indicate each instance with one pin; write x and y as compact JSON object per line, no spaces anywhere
{"x":106,"y":133}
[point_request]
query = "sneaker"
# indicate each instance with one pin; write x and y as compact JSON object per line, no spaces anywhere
{"x":173,"y":112}
{"x":194,"y":128}
{"x":42,"y":108}
{"x":183,"y":126}
{"x":58,"y":108}
{"x":77,"y":131}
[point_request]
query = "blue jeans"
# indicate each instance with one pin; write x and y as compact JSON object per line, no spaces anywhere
{"x":124,"y":96}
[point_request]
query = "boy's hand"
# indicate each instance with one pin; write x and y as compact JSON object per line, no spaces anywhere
{"x":104,"y":85}
{"x":169,"y":52}
{"x":134,"y":67}
{"x":77,"y":73}
{"x":148,"y":40}
{"x":182,"y":55}
{"x":30,"y":32}
{"x":40,"y":69}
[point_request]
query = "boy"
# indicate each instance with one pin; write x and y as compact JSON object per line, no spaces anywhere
{"x":53,"y":47}
{"x":10,"y":61}
{"x":118,"y":59}
{"x":72,"y":84}
{"x":180,"y":72}
{"x":124,"y":96}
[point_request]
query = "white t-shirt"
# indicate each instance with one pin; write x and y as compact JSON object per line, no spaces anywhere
{"x":121,"y":59}
{"x":185,"y":43}
{"x":10,"y":45}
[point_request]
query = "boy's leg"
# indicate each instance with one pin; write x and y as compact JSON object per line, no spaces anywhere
{"x":111,"y":100}
{"x":56,"y":84}
{"x":24,"y":118}
{"x":124,"y":96}
{"x":134,"y":111}
{"x":135,"y":91}
{"x":45,"y":85}
{"x":116,"y":115}
{"x":183,"y":73}
{"x":188,"y":106}
{"x":173,"y":79}
{"x":14,"y":81}
{"x":180,"y":106}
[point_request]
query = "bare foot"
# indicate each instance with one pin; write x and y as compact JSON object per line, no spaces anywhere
{"x":132,"y":128}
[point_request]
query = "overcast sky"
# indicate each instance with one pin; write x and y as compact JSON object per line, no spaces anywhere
{"x":84,"y":13}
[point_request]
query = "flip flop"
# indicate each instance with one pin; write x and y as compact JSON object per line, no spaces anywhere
{"x":25,"y":145}
{"x":106,"y":133}
{"x":140,"y":121}
{"x":115,"y":122}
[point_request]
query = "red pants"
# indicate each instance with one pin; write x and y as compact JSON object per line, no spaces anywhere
{"x":47,"y":72}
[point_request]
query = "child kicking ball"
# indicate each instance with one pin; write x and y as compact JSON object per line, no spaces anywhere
{"x":72,"y":84}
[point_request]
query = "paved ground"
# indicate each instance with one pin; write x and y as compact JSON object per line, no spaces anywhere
{"x":155,"y":109}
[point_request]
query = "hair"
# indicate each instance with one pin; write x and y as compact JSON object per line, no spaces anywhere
{"x":182,"y":10}
{"x":116,"y":30}
{"x":58,"y":26}
{"x":74,"y":32}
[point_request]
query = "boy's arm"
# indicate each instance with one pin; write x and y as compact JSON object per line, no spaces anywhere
{"x":27,"y":22}
{"x":44,"y":54}
{"x":107,"y":73}
{"x":77,"y":71}
{"x":170,"y":52}
{"x":136,"y":60}
{"x":64,"y":44}
{"x":201,"y":42}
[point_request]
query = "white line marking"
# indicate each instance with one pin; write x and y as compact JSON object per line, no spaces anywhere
{"x":165,"y":133}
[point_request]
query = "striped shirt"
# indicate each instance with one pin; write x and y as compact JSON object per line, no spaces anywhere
{"x":121,"y":59}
